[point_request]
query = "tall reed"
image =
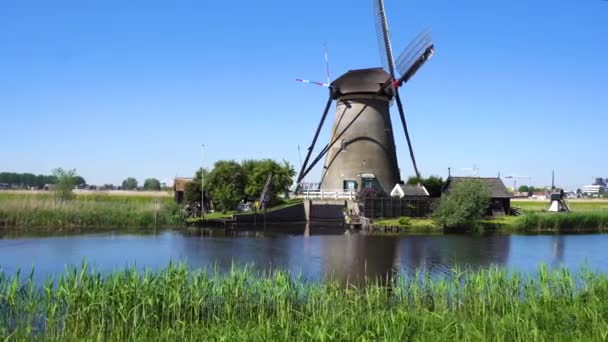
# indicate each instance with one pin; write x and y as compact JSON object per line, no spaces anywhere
{"x":46,"y":212}
{"x":595,"y":221}
{"x":178,"y":304}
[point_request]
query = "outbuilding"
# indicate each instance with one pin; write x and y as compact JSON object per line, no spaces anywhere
{"x":179,"y":188}
{"x":500,"y":195}
{"x":406,"y":191}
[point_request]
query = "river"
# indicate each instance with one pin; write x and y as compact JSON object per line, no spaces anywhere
{"x":316,"y":254}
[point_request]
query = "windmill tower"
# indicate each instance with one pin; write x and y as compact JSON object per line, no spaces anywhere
{"x":361,"y":151}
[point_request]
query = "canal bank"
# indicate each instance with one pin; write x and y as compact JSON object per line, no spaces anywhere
{"x":337,"y":281}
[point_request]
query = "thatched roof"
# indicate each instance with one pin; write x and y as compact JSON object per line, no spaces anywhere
{"x":179,"y":183}
{"x":496,"y":186}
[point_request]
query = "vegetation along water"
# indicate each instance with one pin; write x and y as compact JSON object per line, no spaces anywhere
{"x":25,"y":211}
{"x":176,"y":303}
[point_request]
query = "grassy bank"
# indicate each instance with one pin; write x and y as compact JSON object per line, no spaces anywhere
{"x":562,"y":222}
{"x":409,"y":224}
{"x":528,"y":222}
{"x":177,"y":304}
{"x":22,"y":211}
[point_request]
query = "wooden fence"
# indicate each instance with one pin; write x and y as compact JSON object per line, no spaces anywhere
{"x":389,"y":207}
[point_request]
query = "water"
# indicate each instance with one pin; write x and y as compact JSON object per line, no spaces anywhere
{"x":316,"y":255}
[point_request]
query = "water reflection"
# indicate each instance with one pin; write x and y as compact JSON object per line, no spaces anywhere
{"x":355,"y":259}
{"x":437,"y":254}
{"x":315,"y":252}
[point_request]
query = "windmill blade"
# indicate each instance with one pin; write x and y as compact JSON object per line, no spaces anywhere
{"x":406,"y":131}
{"x":386,"y":55}
{"x":327,"y":65}
{"x":303,"y":173}
{"x":313,"y":82}
{"x":415,"y":55}
{"x":383,"y":38}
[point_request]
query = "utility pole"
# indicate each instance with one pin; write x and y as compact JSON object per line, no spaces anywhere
{"x":203,"y":182}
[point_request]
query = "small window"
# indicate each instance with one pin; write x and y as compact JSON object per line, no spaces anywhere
{"x":350,"y":185}
{"x":344,"y":144}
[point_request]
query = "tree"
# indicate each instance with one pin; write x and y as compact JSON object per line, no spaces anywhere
{"x":79,"y":180}
{"x":524,"y":188}
{"x":152,"y":184}
{"x":464,"y":205}
{"x":129,"y":184}
{"x":66,"y":179}
{"x":433,"y":184}
{"x":257,"y":172}
{"x":226,"y":183}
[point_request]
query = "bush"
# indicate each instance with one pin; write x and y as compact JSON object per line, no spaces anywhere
{"x":405,"y":221}
{"x":464,"y":205}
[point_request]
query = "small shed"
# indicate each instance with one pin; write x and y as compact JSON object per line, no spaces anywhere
{"x":410,"y":191}
{"x":500,"y":195}
{"x":179,"y":188}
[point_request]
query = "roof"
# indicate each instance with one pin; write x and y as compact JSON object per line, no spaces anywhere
{"x":179,"y":183}
{"x":361,"y":81}
{"x":496,"y":186}
{"x":412,"y":190}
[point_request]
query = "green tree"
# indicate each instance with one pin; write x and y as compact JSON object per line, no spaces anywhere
{"x":129,"y":184}
{"x":464,"y":205}
{"x":433,"y":184}
{"x":66,"y":179}
{"x":523,"y":188}
{"x":226,"y":183}
{"x":79,"y":181}
{"x":257,"y":172}
{"x":152,"y":184}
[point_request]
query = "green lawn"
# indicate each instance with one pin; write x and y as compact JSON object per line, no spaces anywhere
{"x":575,"y":205}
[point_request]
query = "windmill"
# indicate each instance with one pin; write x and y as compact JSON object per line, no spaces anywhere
{"x":361,"y":151}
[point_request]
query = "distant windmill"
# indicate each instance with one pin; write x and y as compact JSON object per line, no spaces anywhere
{"x":362,"y":145}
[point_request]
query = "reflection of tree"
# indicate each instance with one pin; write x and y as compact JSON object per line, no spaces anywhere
{"x":355,"y":259}
{"x":437,"y":254}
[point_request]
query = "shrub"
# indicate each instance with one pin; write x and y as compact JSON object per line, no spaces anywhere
{"x":464,"y":205}
{"x":405,"y":221}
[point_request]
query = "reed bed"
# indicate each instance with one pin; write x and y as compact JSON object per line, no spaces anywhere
{"x":45,"y":212}
{"x":564,"y":222}
{"x":179,"y":304}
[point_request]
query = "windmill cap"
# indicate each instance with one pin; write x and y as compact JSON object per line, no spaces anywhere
{"x":363,"y":81}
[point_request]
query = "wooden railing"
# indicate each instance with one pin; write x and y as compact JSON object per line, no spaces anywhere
{"x":328,"y":194}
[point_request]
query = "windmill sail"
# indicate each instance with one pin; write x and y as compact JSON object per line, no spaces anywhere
{"x":383,"y":38}
{"x":416,"y":48}
{"x":386,"y":55}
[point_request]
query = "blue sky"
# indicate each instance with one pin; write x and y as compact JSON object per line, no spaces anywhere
{"x":133,"y":88}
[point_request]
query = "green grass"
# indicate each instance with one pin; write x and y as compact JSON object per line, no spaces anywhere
{"x":576,"y":205}
{"x":562,"y":222}
{"x":178,"y":304}
{"x":412,"y":225}
{"x":102,"y":211}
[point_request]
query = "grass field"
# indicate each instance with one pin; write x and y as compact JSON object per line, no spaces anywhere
{"x":42,"y":211}
{"x":177,"y":304}
{"x":575,"y":205}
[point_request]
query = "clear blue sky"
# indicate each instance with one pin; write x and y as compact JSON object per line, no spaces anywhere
{"x":133,"y":88}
